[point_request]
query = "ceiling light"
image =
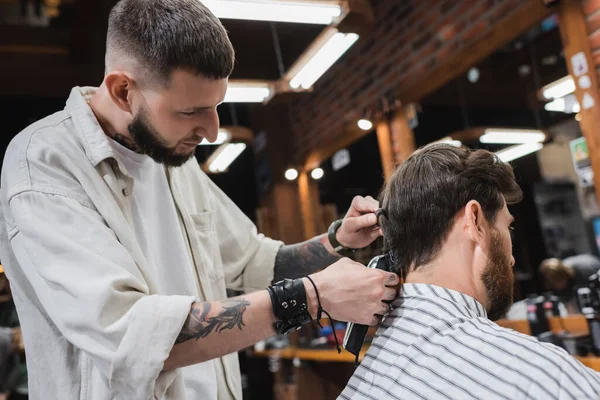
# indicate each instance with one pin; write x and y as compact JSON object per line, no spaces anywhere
{"x":317,"y":173}
{"x":222,"y":137}
{"x":514,"y":152}
{"x":567,"y":104}
{"x":222,"y":158}
{"x":307,"y":12}
{"x":247,"y":92}
{"x":473,"y":75}
{"x":365,"y":124}
{"x":524,"y":70}
{"x":559,"y":88}
{"x":550,"y":60}
{"x":450,"y":141}
{"x":556,"y":105}
{"x":328,"y":49}
{"x":495,"y":136}
{"x":291,"y":174}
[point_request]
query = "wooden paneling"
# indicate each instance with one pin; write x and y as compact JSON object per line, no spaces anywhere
{"x":575,"y":41}
{"x":384,"y":139}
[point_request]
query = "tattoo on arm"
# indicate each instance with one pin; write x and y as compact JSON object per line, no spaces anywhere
{"x":302,"y":259}
{"x":199,"y":324}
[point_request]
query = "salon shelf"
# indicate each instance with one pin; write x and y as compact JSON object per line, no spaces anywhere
{"x":323,"y":355}
{"x":331,"y":355}
{"x":571,"y":323}
{"x":590,"y":362}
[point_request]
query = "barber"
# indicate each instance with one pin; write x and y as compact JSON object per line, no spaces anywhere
{"x":119,"y":248}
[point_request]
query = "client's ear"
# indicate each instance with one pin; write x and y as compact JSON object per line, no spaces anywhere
{"x":476,"y":223}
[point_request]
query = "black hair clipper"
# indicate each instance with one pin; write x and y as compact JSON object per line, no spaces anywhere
{"x":355,"y":333}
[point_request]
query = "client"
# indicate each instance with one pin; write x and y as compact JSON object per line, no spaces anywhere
{"x":447,"y":226}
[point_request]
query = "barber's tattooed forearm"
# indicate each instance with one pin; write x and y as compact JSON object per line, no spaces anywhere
{"x":199,"y":324}
{"x":302,"y":259}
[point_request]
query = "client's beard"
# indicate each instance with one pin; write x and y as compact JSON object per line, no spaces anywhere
{"x":498,"y":279}
{"x":149,"y":142}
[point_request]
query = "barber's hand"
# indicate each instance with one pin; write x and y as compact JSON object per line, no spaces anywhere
{"x":359,"y":228}
{"x":353,"y":293}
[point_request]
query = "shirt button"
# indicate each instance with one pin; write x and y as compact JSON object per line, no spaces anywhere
{"x":126,"y":191}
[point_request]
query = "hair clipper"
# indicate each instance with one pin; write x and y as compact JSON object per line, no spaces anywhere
{"x":355,"y":333}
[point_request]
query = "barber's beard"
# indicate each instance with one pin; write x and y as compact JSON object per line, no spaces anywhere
{"x":498,"y":279}
{"x":149,"y":142}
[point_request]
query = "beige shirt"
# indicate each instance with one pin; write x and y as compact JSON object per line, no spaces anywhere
{"x":97,"y":322}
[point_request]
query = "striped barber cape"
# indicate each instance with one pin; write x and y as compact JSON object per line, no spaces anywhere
{"x":439,"y":344}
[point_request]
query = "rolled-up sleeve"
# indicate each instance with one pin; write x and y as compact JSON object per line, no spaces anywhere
{"x":248,"y":257}
{"x":94,"y":292}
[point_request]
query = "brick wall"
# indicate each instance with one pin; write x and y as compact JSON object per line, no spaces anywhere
{"x":591,"y":9}
{"x":409,"y":38}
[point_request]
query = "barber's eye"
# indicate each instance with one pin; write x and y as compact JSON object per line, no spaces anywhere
{"x":188,"y":114}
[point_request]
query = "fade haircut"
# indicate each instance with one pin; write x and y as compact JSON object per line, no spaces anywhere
{"x":164,"y":35}
{"x":426,"y":192}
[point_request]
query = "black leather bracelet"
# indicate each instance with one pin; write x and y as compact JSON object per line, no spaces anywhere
{"x":290,"y":307}
{"x":331,"y":235}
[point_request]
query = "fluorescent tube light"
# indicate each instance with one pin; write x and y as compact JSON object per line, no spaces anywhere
{"x":556,"y":105}
{"x":333,"y":45}
{"x":514,"y":152}
{"x":450,"y":141}
{"x":222,"y":137}
{"x":222,"y":158}
{"x":567,"y":104}
{"x":247,"y":92}
{"x":512,"y":136}
{"x":559,"y":88}
{"x":306,"y":12}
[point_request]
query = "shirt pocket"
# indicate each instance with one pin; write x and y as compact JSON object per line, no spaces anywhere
{"x":206,"y":247}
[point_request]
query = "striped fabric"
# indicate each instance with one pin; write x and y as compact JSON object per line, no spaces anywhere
{"x":439,"y":344}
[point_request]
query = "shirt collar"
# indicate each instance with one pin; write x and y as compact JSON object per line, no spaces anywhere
{"x":95,"y":142}
{"x":463,"y":303}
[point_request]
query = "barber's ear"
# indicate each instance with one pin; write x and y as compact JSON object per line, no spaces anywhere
{"x":476,"y":223}
{"x":119,"y":86}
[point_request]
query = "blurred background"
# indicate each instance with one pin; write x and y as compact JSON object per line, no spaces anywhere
{"x":327,"y":97}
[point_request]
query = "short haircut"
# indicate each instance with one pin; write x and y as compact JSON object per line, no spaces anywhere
{"x":426,"y":192}
{"x":164,"y":35}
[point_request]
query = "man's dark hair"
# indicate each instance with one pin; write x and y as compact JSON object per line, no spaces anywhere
{"x":164,"y":35}
{"x":425,"y":193}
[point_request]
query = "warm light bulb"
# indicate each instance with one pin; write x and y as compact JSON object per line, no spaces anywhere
{"x":291,"y":174}
{"x":317,"y":173}
{"x":365,"y":124}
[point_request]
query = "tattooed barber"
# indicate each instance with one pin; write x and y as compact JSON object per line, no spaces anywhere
{"x":120,"y":249}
